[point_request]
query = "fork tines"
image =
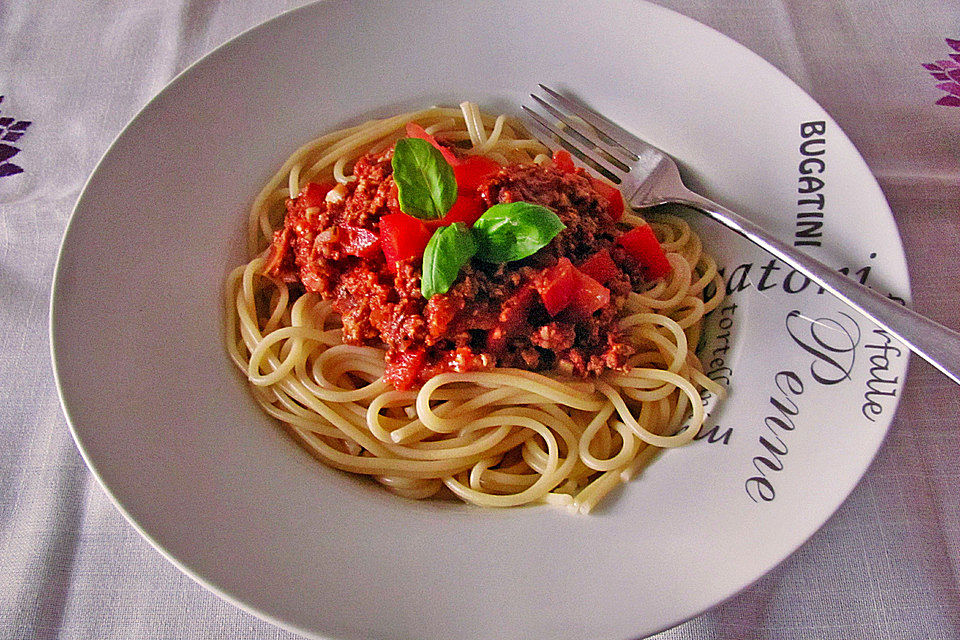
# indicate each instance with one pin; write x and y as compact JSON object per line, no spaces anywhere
{"x":596,"y":141}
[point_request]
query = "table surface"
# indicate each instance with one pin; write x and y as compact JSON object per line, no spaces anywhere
{"x":886,"y":565}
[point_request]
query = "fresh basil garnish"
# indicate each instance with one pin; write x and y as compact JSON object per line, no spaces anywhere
{"x":515,"y":230}
{"x":449,"y":249}
{"x":426,"y":185}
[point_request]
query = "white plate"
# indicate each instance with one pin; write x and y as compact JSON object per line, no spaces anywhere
{"x":167,"y":425}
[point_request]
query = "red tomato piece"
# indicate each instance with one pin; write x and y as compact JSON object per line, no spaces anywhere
{"x":314,"y":194}
{"x":472,"y":170}
{"x":600,"y":267}
{"x":563,"y":161}
{"x":557,"y":286}
{"x":642,"y":244}
{"x":402,"y":237}
{"x":416,"y":131}
{"x":357,"y":241}
{"x":589,"y":296}
{"x":467,"y":208}
{"x":563,"y":286}
{"x":612,"y":195}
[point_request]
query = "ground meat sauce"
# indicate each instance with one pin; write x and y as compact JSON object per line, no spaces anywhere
{"x":493,"y":315}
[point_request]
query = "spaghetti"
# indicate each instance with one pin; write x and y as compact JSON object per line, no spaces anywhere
{"x":498,"y":437}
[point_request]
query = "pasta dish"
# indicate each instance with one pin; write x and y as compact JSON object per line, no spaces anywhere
{"x":436,"y":301}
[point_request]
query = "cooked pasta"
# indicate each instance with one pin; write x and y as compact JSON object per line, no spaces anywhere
{"x":493,"y":436}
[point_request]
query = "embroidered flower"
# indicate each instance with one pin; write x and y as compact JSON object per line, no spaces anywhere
{"x":948,"y":73}
{"x":11,"y":130}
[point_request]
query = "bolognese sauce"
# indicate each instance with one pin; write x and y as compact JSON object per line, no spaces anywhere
{"x":554,"y":310}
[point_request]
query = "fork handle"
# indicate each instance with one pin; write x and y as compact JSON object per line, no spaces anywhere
{"x":933,"y":342}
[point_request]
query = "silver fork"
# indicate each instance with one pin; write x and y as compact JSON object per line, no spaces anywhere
{"x":648,"y":177}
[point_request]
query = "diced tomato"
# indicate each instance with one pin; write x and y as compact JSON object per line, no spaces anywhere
{"x":563,"y":161}
{"x":357,"y":241}
{"x":612,"y":195}
{"x":472,"y":170}
{"x":589,"y":296}
{"x":314,"y":193}
{"x":512,"y":316}
{"x":402,"y":237}
{"x":404,"y":367}
{"x":563,"y":286}
{"x":416,"y":131}
{"x":557,"y":286}
{"x":600,"y":267}
{"x":467,"y":208}
{"x":642,"y":244}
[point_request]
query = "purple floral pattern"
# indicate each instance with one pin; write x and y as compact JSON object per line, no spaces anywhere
{"x":11,"y":130}
{"x":947,"y":72}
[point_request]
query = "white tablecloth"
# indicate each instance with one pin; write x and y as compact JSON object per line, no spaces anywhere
{"x":887,"y":565}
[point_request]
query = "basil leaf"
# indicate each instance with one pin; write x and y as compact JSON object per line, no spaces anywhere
{"x":449,"y":249}
{"x":514,"y":230}
{"x":426,"y":185}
